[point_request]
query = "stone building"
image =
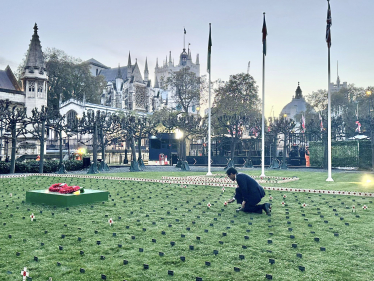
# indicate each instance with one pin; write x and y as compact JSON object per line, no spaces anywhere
{"x":297,"y":106}
{"x":32,"y":93}
{"x":126,"y":90}
{"x":164,"y":71}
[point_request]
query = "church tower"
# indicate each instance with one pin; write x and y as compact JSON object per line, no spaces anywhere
{"x":146,"y":72}
{"x":34,"y":76}
{"x":129,"y":67}
{"x":119,"y":86}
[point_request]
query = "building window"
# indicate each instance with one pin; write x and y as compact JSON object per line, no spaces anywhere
{"x":71,"y":117}
{"x":31,"y":86}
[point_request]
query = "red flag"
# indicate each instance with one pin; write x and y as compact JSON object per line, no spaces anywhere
{"x":303,"y":122}
{"x":328,"y":27}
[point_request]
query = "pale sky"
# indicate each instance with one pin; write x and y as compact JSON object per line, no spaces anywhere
{"x":297,"y":51}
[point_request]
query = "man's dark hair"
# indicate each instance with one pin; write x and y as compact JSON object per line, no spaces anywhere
{"x":231,"y":171}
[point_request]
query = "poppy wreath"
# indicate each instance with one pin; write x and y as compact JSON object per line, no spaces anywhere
{"x":57,"y":186}
{"x":69,"y":189}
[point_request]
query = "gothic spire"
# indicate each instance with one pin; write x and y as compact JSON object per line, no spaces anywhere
{"x":170,"y":58}
{"x":157,"y":63}
{"x":34,"y":58}
{"x":156,"y":83}
{"x":129,"y":60}
{"x":129,"y":68}
{"x":119,"y":74}
{"x":146,"y":66}
{"x":197,"y":59}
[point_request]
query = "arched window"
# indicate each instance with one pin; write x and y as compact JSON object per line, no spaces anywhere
{"x":31,"y":86}
{"x":71,"y":117}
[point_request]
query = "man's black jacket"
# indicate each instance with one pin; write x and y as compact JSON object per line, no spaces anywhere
{"x":249,"y":190}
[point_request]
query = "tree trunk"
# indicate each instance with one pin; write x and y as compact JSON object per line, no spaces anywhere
{"x":284,"y":161}
{"x":133,"y":150}
{"x":139,"y":149}
{"x":13,"y":153}
{"x":103,"y":165}
{"x":93,"y":168}
{"x":61,"y":169}
{"x":60,"y":146}
{"x":140,"y":159}
{"x":274,"y":161}
{"x":134,"y":164}
{"x":41,"y":161}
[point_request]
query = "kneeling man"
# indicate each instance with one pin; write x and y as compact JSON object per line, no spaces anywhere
{"x":248,"y":193}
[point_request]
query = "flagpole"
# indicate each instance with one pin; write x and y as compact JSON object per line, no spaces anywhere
{"x":209,"y":115}
{"x":263,"y":116}
{"x":209,"y":133}
{"x":329,"y":177}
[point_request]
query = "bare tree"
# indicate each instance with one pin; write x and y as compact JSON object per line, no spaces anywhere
{"x":37,"y":128}
{"x":14,"y":120}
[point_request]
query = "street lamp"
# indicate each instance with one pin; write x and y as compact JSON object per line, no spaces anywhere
{"x":368,"y":93}
{"x":179,"y":136}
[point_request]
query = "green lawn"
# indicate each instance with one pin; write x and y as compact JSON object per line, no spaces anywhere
{"x":146,"y":210}
{"x":343,"y":181}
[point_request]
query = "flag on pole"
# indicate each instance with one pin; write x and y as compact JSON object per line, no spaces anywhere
{"x":209,"y":48}
{"x":358,"y":129}
{"x":328,"y":27}
{"x":303,"y":122}
{"x":264,"y":34}
{"x":184,"y":31}
{"x":321,"y":123}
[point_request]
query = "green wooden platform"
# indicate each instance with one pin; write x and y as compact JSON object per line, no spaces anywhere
{"x":57,"y":199}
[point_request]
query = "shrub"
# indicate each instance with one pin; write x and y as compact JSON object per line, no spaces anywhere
{"x":4,"y":167}
{"x":73,"y":165}
{"x":21,"y":167}
{"x":50,"y":166}
{"x":33,"y":166}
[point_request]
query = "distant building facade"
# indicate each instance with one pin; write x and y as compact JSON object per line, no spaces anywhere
{"x":298,"y":105}
{"x":33,"y":91}
{"x":126,"y":90}
{"x":164,"y":71}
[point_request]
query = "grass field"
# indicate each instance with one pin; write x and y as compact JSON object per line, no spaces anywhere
{"x":343,"y":180}
{"x":222,"y":239}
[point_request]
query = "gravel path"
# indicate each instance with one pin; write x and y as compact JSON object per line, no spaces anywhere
{"x":126,"y":169}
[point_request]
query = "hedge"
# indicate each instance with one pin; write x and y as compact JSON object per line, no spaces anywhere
{"x":50,"y":166}
{"x":343,"y":154}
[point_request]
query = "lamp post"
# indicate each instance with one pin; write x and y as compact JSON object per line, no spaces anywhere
{"x":368,"y":93}
{"x":179,"y":136}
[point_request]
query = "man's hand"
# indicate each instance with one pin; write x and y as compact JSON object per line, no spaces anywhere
{"x":243,"y":204}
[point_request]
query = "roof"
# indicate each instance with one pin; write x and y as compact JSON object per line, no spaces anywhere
{"x":35,"y":57}
{"x":8,"y":81}
{"x":5,"y":82}
{"x":97,"y":63}
{"x":111,"y":74}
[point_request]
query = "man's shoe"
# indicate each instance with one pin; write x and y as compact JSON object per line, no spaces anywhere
{"x":267,"y":208}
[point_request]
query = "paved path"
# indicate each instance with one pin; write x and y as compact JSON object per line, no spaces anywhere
{"x":126,"y":169}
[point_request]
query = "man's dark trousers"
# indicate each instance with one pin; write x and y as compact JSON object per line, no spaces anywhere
{"x":249,"y":191}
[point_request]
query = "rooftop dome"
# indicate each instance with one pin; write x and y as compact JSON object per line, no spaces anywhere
{"x":297,"y":105}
